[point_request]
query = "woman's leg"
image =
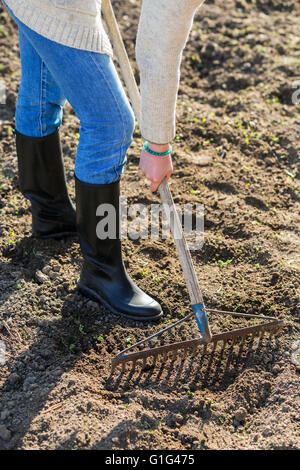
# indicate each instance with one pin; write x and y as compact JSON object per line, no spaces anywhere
{"x":41,"y":172}
{"x":40,"y":165}
{"x":40,"y":101}
{"x":90,"y":83}
{"x":107,"y":125}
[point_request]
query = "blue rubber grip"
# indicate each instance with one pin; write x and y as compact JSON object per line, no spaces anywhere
{"x":201,"y":317}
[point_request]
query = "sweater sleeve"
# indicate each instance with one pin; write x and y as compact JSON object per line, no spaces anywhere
{"x":163,"y":30}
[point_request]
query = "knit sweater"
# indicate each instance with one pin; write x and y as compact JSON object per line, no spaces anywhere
{"x":162,"y":34}
{"x":163,"y":30}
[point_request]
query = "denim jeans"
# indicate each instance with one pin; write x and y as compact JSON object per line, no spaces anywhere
{"x":51,"y":74}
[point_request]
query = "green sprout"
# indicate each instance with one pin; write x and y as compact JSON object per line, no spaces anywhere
{"x":224,"y":263}
{"x":98,"y":338}
{"x":194,"y":191}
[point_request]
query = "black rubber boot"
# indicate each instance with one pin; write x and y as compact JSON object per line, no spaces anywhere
{"x":42,"y":181}
{"x":103,"y":276}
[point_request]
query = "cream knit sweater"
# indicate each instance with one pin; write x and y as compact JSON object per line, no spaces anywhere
{"x":163,"y":31}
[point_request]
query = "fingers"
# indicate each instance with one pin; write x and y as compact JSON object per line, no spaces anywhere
{"x":141,"y":167}
{"x":155,"y":169}
{"x":155,"y":182}
{"x":154,"y":186}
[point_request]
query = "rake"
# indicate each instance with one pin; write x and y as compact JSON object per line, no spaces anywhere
{"x":272,"y":326}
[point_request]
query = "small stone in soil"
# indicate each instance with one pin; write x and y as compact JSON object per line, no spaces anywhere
{"x":5,"y":414}
{"x":40,"y":277}
{"x":13,"y":379}
{"x":5,"y":433}
{"x":240,"y":415}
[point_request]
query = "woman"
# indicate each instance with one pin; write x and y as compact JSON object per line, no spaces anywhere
{"x":66,"y":55}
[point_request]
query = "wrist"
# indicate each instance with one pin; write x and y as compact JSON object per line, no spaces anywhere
{"x":158,"y":147}
{"x":165,"y":153}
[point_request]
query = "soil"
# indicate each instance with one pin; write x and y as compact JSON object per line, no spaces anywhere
{"x":236,"y":152}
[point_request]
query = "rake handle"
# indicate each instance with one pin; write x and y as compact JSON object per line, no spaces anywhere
{"x":120,"y":51}
{"x":181,"y":245}
{"x":165,"y":193}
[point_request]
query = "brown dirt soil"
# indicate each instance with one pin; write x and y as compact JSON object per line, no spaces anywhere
{"x":236,"y":151}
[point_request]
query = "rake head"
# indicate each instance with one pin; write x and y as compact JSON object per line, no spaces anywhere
{"x":183,"y":348}
{"x":273,"y":327}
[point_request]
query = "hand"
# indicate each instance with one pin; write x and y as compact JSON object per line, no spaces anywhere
{"x":156,"y":168}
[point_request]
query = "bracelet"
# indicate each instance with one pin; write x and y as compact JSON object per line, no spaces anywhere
{"x":157,"y":154}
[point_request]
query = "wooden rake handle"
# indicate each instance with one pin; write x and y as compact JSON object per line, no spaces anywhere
{"x":165,"y":193}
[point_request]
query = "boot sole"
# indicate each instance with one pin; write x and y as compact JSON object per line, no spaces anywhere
{"x":92,"y":295}
{"x":54,"y":236}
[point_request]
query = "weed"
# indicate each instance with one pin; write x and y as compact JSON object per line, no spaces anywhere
{"x":4,"y":31}
{"x":224,"y":263}
{"x":12,"y":240}
{"x":98,"y":338}
{"x":236,"y":307}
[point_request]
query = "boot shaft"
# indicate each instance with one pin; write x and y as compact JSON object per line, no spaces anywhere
{"x":41,"y":169}
{"x":99,"y":205}
{"x":42,"y":181}
{"x":103,"y":276}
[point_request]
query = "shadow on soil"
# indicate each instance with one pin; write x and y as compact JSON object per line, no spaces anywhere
{"x":214,"y":370}
{"x":25,"y":257}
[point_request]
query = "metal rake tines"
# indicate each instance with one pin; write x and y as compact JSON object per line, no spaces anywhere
{"x":159,"y":351}
{"x":247,"y":334}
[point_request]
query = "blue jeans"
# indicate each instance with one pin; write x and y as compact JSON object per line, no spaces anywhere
{"x":51,"y":74}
